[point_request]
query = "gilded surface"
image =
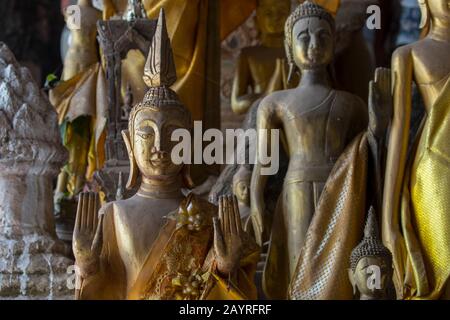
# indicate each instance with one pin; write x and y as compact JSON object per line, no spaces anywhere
{"x":416,"y":206}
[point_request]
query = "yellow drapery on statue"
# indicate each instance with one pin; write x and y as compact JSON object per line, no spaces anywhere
{"x":336,"y":228}
{"x":425,"y":209}
{"x":84,"y":95}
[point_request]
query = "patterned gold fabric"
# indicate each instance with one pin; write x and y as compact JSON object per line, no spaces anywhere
{"x":425,"y":209}
{"x":336,"y":228}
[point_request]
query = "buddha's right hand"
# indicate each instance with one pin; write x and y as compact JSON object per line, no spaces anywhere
{"x":87,"y":235}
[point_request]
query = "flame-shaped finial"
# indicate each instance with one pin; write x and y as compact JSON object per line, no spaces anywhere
{"x":160,"y":67}
{"x":371,"y":228}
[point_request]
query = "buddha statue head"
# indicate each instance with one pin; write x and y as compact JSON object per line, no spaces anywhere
{"x":437,"y":9}
{"x":241,"y":185}
{"x":309,"y":37}
{"x":271,"y":16}
{"x":371,"y":264}
{"x":151,"y":122}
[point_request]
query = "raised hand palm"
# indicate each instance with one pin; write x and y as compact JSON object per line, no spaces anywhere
{"x":228,"y":235}
{"x":87,"y":235}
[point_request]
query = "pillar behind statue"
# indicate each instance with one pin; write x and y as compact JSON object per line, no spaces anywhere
{"x":33,"y":263}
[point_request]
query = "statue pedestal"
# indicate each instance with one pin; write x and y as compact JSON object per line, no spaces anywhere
{"x":34,"y":264}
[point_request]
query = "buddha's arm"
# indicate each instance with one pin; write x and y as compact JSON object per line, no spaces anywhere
{"x":266,"y":120}
{"x":107,"y":281}
{"x":402,"y":76}
{"x":241,"y":99}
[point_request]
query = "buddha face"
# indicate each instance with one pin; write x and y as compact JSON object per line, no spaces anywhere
{"x":438,"y":8}
{"x":372,"y":276}
{"x":272,"y":14}
{"x":312,"y":43}
{"x":152,"y":145}
{"x":241,"y":185}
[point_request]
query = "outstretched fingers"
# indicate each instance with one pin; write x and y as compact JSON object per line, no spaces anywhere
{"x":221,"y":211}
{"x":232,"y":219}
{"x":79,"y":214}
{"x":237,"y":217}
{"x":219,"y":245}
{"x":84,"y":210}
{"x":95,"y":212}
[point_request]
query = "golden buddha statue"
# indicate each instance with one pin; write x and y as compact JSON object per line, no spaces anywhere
{"x":371,"y":264}
{"x":318,"y":122}
{"x":80,"y":66}
{"x":255,"y":75}
{"x":160,"y":244}
{"x":416,"y":203}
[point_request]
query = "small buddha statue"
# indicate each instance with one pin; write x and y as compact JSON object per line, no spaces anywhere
{"x":318,"y":122}
{"x":241,"y":189}
{"x":371,"y":264}
{"x":160,"y":244}
{"x":127,"y":104}
{"x":83,"y":52}
{"x":256,"y":75}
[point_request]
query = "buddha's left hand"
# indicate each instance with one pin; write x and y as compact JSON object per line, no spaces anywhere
{"x":228,"y":235}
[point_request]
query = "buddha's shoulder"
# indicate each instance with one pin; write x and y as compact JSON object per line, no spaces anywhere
{"x":415,"y":49}
{"x":120,"y":206}
{"x":348,"y":98}
{"x":278,"y":98}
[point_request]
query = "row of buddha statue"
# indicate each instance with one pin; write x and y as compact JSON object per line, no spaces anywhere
{"x":359,"y":214}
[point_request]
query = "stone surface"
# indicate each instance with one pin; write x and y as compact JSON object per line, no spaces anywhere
{"x":33,"y":262}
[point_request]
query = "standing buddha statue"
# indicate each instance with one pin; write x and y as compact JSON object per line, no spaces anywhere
{"x":318,"y":122}
{"x":76,"y":106}
{"x":255,"y":75}
{"x":416,"y":207}
{"x":160,"y":244}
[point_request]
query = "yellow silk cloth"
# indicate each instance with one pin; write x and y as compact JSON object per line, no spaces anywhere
{"x":425,"y":210}
{"x":336,"y":228}
{"x":83,"y":95}
{"x":176,"y":251}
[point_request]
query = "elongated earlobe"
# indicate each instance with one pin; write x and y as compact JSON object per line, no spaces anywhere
{"x":424,"y":21}
{"x":132,"y":178}
{"x":187,"y":179}
{"x":292,"y":68}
